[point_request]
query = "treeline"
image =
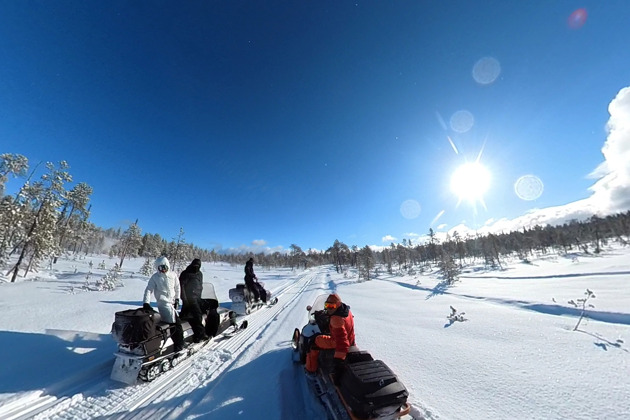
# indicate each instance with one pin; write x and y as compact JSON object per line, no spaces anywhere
{"x":454,"y":252}
{"x":46,"y":219}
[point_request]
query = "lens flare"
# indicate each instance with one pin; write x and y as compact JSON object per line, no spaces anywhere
{"x":577,"y":19}
{"x":528,"y":187}
{"x":486,"y":70}
{"x":410,"y":209}
{"x":462,"y":121}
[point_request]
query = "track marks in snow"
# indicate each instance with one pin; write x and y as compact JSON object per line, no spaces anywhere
{"x":175,"y":394}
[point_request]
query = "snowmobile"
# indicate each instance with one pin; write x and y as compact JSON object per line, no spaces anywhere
{"x":367,"y":390}
{"x":243,"y":302}
{"x":145,"y":345}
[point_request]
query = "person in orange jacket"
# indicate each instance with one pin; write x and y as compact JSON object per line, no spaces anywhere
{"x":341,"y":336}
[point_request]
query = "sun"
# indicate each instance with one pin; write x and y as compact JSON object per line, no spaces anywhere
{"x":470,"y":182}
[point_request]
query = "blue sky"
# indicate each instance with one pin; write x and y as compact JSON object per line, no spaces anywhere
{"x":263,"y":124}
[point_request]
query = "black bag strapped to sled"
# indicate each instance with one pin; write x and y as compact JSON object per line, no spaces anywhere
{"x":135,"y":325}
{"x":370,"y":385}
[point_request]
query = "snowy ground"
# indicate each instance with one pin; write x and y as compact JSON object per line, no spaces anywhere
{"x":516,"y":355}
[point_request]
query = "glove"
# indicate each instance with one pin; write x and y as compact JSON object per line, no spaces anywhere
{"x":147,"y":307}
{"x":339,"y":369}
{"x":310,"y":342}
{"x":176,"y":304}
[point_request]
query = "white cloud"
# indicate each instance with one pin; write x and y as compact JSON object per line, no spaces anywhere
{"x":257,"y":246}
{"x":611,"y":193}
{"x":388,"y":238}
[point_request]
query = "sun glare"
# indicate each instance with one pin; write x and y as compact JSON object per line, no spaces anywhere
{"x":470,"y":182}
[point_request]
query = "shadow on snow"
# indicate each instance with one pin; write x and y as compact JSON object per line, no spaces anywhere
{"x":45,"y":361}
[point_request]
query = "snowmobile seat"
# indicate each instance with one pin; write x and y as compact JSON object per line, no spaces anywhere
{"x":355,"y":355}
{"x":371,"y":385}
{"x":327,"y":358}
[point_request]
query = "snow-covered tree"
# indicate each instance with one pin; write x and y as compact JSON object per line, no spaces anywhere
{"x":152,"y":246}
{"x":178,"y":252}
{"x":45,"y":198}
{"x":74,"y":213}
{"x":339,"y":254}
{"x":110,"y":280}
{"x":147,"y":267}
{"x":129,"y":243}
{"x":11,"y":164}
{"x":11,"y":212}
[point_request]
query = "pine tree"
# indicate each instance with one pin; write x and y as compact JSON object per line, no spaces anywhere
{"x":130,"y":242}
{"x":178,"y":255}
{"x":11,"y":211}
{"x":147,"y":267}
{"x":45,"y":198}
{"x":74,"y":212}
{"x":11,"y":164}
{"x":367,"y":262}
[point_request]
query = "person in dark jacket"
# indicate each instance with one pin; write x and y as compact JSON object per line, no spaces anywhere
{"x":191,"y":281}
{"x":341,"y":336}
{"x":252,"y":282}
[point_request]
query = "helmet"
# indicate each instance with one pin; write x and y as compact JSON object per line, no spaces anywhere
{"x":333,"y":301}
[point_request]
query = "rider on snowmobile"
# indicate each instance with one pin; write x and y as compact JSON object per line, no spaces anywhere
{"x":251,"y":281}
{"x":341,"y":336}
{"x":166,"y":288}
{"x":191,"y":281}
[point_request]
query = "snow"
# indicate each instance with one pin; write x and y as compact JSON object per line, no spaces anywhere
{"x":515,"y":356}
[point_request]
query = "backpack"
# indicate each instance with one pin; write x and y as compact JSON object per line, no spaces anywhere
{"x":134,"y":325}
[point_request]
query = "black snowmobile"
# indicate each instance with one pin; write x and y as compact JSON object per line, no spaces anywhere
{"x":243,"y":302}
{"x":367,"y":390}
{"x":145,"y":346}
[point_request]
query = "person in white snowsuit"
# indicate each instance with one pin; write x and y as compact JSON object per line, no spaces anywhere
{"x":165,"y":287}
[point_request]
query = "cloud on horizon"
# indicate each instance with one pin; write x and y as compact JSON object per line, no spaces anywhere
{"x":388,"y":238}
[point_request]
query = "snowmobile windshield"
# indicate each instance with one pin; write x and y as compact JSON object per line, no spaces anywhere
{"x":208,"y":292}
{"x":318,"y":305}
{"x":317,"y":314}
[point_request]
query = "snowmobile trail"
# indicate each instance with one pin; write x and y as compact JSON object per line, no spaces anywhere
{"x":93,"y":394}
{"x":237,"y":347}
{"x":62,"y":394}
